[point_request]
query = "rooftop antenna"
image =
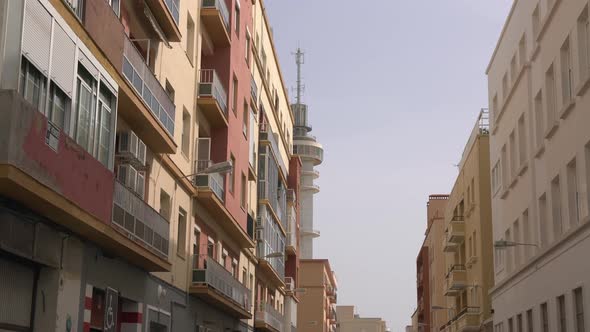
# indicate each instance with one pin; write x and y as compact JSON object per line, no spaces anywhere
{"x":299,"y":60}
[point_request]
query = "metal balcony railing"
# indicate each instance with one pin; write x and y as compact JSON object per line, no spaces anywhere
{"x":140,"y":220}
{"x":208,"y":271}
{"x":173,"y":8}
{"x":269,"y":315}
{"x":213,"y":181}
{"x":253,"y":88}
{"x":221,"y":7}
{"x":310,"y":151}
{"x":263,"y":248}
{"x":291,"y":228}
{"x":201,"y":165}
{"x":145,"y":83}
{"x":210,"y":86}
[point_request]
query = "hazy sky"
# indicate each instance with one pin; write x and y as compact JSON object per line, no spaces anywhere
{"x":394,"y":88}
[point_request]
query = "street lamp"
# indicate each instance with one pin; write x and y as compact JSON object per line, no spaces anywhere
{"x":218,"y":168}
{"x":277,"y":254}
{"x":503,"y":244}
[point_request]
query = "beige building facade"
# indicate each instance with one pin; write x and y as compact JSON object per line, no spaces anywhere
{"x":317,"y":306}
{"x":467,"y":238}
{"x":537,"y":80}
{"x":348,"y":321}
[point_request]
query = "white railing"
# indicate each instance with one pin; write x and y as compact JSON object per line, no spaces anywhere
{"x":212,"y":181}
{"x":210,"y":86}
{"x":145,"y":223}
{"x":208,"y":271}
{"x":481,"y":127}
{"x":292,"y":228}
{"x":145,"y":83}
{"x":219,"y":5}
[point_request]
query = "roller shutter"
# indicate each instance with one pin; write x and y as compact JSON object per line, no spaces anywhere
{"x":16,"y":292}
{"x":63,"y":59}
{"x":37,"y":35}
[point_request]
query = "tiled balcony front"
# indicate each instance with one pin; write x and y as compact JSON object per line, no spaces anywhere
{"x":456,"y":230}
{"x":456,"y":280}
{"x":268,"y":318}
{"x":468,"y":320}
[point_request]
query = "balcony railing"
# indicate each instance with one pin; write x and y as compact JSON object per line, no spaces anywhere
{"x":291,"y":228}
{"x":207,"y":271}
{"x":145,"y":83}
{"x":173,"y":8}
{"x":253,"y":88}
{"x":456,"y":230}
{"x":266,"y":314}
{"x":221,"y":7}
{"x":140,"y":220}
{"x":456,"y":278}
{"x":213,"y":181}
{"x":210,"y":86}
{"x":263,"y":249}
{"x":467,"y":319}
{"x":308,"y":151}
{"x":201,"y":165}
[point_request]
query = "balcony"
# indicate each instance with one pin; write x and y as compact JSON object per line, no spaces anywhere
{"x":456,"y":230}
{"x":139,"y":221}
{"x":44,"y":169}
{"x":291,"y":246}
{"x":211,"y":194}
{"x":308,"y":149}
{"x":314,"y":188}
{"x":449,"y":246}
{"x":212,"y":98}
{"x":166,"y":12}
{"x":268,"y":318}
{"x":468,"y":320}
{"x":310,"y":232}
{"x":215,"y":18}
{"x":215,"y":285}
{"x":253,"y":91}
{"x":274,"y":267}
{"x":146,"y":92}
{"x":456,"y":280}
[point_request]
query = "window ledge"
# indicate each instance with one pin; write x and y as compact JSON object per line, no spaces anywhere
{"x":540,"y":150}
{"x":581,"y":89}
{"x":551,"y":130}
{"x":523,"y":168}
{"x":567,"y":108}
{"x":547,"y":19}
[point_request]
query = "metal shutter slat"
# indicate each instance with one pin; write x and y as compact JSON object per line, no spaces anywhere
{"x":16,"y":292}
{"x":37,"y":35}
{"x":62,"y":61}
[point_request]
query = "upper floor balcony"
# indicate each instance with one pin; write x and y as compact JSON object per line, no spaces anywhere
{"x":314,"y":188}
{"x":449,"y":246}
{"x":215,"y":284}
{"x":45,"y":169}
{"x":270,"y":263}
{"x":456,"y":280}
{"x":167,"y":13}
{"x":211,"y":194}
{"x":292,"y":233}
{"x":267,"y":318}
{"x":456,"y":230}
{"x":468,"y":320}
{"x":253,"y":91}
{"x":308,"y":150}
{"x":215,"y":16}
{"x":212,"y":98}
{"x":145,"y":89}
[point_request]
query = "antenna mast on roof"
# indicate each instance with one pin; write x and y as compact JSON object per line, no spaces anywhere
{"x":300,"y":60}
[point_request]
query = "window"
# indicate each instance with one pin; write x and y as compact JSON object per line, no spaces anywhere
{"x":59,"y":105}
{"x":245,"y":277}
{"x":579,"y":310}
{"x":234,"y":268}
{"x":513,"y":69}
{"x":106,"y":104}
{"x":245,"y":116}
{"x":561,"y":315}
{"x":170,"y":91}
{"x":235,"y":96}
{"x":567,"y":75}
{"x":237,"y":19}
{"x":190,"y":38}
{"x":522,"y":51}
{"x":543,"y":220}
{"x":584,"y":43}
{"x":517,"y":249}
{"x":495,"y":108}
{"x":164,"y":205}
{"x":544,"y":318}
{"x":539,"y":118}
{"x":556,"y":207}
{"x":181,"y":238}
{"x":210,"y":248}
{"x":521,"y":141}
{"x":510,"y":325}
{"x":536,"y":21}
{"x":186,"y":133}
{"x":248,"y":48}
{"x":505,"y":171}
{"x":505,"y":86}
{"x":232,"y":175}
{"x":550,"y":96}
{"x":85,"y":113}
{"x":519,"y":323}
{"x":496,"y":177}
{"x":572,"y":193}
{"x":243,"y":191}
{"x":529,"y":321}
{"x":513,"y":160}
{"x":197,"y":244}
{"x":32,"y":85}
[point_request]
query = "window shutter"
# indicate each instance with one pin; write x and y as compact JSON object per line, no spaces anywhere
{"x":37,"y":35}
{"x":62,"y":61}
{"x":85,"y":61}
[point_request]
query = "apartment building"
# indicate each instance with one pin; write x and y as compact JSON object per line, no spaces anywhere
{"x":537,"y":79}
{"x":467,"y":238}
{"x":430,"y":268}
{"x":348,"y":321}
{"x":317,"y":306}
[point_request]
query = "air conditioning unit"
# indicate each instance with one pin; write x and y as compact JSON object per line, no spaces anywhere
{"x":259,"y":235}
{"x":131,"y":149}
{"x":289,"y":284}
{"x":131,"y":178}
{"x":259,"y":222}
